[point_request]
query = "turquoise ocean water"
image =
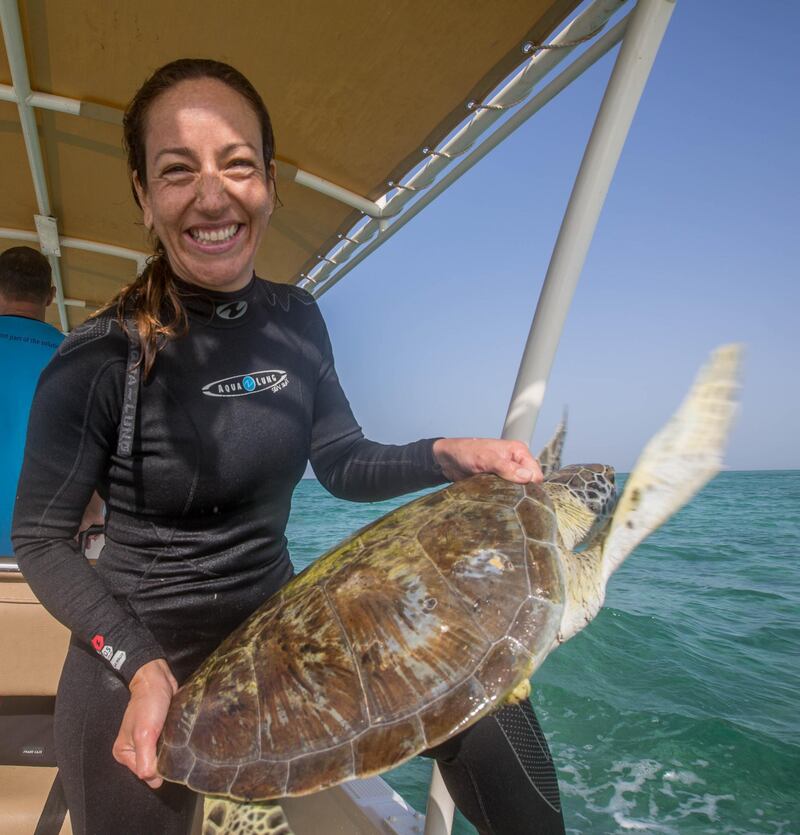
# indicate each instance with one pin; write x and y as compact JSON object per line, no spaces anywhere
{"x":678,"y":709}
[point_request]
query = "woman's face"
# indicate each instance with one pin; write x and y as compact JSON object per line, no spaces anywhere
{"x":209,"y":193}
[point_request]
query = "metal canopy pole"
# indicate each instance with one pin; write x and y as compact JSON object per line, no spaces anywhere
{"x":79,"y":243}
{"x":644,"y":33}
{"x":15,"y":51}
{"x":447,"y":162}
{"x":441,"y":809}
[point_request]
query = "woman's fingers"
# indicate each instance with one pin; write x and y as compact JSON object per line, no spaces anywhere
{"x":525,"y":467}
{"x":462,"y":457}
{"x":135,"y":746}
{"x":123,"y":751}
{"x":146,"y":757}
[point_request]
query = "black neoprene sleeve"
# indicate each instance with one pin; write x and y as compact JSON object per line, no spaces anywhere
{"x":72,"y":427}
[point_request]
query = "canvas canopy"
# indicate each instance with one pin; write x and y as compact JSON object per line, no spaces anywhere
{"x":356,"y":89}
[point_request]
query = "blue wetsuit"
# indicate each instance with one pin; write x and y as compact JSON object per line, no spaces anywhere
{"x":26,"y":346}
{"x":196,"y":513}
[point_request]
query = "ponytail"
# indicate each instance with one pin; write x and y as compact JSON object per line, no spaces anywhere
{"x":155,"y":305}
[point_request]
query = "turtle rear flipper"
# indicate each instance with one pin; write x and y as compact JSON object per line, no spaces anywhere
{"x":222,"y":816}
{"x":679,"y":460}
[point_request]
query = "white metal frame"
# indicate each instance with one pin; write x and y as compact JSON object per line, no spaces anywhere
{"x":402,"y":200}
{"x":478,"y":152}
{"x":79,"y":243}
{"x":636,"y":56}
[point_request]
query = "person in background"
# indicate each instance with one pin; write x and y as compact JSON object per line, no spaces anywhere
{"x":27,"y":343}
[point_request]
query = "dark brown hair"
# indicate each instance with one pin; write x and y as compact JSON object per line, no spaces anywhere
{"x":25,"y":275}
{"x":152,"y":298}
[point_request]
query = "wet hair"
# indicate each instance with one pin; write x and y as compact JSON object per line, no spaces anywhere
{"x":152,"y":299}
{"x":25,"y":275}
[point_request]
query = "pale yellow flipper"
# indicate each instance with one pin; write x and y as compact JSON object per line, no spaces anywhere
{"x":679,"y":460}
{"x":222,"y":816}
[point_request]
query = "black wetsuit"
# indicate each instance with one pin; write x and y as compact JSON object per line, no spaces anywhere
{"x":197,"y":507}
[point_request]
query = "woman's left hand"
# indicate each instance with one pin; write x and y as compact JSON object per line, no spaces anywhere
{"x":152,"y":688}
{"x":462,"y":457}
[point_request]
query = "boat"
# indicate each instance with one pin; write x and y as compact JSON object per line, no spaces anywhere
{"x":378,"y":109}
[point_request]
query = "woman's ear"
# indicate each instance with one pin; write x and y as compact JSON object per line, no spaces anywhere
{"x":272,"y":173}
{"x":147,"y":214}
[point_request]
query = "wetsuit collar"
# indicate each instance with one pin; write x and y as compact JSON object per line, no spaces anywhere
{"x":216,"y":308}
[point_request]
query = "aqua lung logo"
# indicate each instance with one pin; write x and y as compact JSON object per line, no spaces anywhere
{"x":243,"y":384}
{"x":231,"y":310}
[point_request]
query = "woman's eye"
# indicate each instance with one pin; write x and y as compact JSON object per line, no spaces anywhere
{"x":175,"y":169}
{"x":240,"y":163}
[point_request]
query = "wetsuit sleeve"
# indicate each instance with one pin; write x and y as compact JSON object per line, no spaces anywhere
{"x":71,"y":434}
{"x":349,"y":465}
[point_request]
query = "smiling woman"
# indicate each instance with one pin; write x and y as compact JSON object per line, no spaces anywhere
{"x":197,"y":458}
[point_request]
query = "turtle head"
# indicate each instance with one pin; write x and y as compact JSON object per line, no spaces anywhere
{"x":583,"y":497}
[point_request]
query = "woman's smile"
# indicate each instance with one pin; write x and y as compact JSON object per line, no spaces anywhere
{"x":215,"y":239}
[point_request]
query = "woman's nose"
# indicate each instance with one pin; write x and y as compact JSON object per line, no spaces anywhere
{"x":210,"y":195}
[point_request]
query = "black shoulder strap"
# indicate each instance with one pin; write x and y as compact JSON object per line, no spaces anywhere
{"x":130,"y":400}
{"x":55,"y":810}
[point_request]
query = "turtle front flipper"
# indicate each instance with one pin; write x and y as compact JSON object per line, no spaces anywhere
{"x":222,"y":816}
{"x":674,"y":465}
{"x":679,"y":460}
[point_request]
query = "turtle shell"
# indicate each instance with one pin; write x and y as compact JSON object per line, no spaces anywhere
{"x":409,"y":631}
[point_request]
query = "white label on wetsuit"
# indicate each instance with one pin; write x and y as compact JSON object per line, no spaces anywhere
{"x":244,"y":384}
{"x":107,"y":652}
{"x":118,"y":660}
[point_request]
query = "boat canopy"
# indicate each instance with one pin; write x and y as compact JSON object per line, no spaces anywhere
{"x":361,"y":95}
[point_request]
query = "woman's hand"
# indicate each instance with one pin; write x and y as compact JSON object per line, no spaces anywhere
{"x":94,"y":514}
{"x":152,"y":688}
{"x":462,"y":457}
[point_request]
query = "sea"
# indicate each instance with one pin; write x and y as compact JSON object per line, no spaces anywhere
{"x":677,"y":710}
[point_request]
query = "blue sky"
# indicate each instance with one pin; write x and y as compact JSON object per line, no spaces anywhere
{"x":698,"y":245}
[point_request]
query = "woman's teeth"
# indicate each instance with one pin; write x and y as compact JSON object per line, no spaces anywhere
{"x":214,"y":235}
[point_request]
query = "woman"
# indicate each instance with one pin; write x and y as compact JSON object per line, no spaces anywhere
{"x":197,"y":461}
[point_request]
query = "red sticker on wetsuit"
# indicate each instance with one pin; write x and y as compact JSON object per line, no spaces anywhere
{"x":98,"y":642}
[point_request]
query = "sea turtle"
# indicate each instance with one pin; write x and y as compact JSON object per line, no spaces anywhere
{"x":424,"y":621}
